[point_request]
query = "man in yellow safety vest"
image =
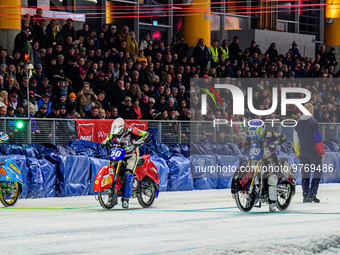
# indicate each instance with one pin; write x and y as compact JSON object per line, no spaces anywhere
{"x":223,"y":52}
{"x":214,"y":53}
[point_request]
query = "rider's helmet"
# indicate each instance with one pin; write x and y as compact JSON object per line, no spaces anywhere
{"x":3,"y":137}
{"x":118,"y":127}
{"x":256,"y":130}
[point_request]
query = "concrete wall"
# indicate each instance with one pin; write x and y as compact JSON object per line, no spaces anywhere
{"x":7,"y":39}
{"x":283,"y":40}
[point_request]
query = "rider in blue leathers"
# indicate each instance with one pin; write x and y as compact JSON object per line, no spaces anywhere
{"x":270,"y":139}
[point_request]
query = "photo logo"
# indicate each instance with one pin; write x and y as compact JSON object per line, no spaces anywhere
{"x":238,"y":99}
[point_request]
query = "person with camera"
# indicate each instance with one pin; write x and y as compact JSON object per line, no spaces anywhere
{"x":63,"y":87}
{"x":86,"y":99}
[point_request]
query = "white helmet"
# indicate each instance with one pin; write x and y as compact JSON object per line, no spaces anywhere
{"x":118,"y":127}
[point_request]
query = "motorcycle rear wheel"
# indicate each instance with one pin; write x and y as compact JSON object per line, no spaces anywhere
{"x":108,"y":198}
{"x":284,"y":197}
{"x":146,"y":195}
{"x":244,"y":201}
{"x":9,"y":197}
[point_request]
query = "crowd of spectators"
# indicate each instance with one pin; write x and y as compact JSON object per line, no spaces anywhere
{"x":107,"y":73}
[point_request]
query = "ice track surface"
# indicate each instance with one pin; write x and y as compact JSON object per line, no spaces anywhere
{"x":194,"y":222}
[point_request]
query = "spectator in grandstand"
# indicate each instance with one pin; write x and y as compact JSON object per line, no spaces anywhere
{"x":93,"y":114}
{"x":86,"y":99}
{"x":201,"y":54}
{"x":126,"y":110}
{"x":137,"y":109}
{"x":34,"y":127}
{"x":3,"y":111}
{"x":145,"y":42}
{"x":68,"y":30}
{"x":10,"y":112}
{"x":131,"y":44}
{"x":234,"y":48}
{"x":4,"y":99}
{"x":55,"y":113}
{"x":114,"y":113}
{"x":42,"y":113}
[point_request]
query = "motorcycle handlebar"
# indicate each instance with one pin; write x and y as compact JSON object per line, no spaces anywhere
{"x":111,"y":145}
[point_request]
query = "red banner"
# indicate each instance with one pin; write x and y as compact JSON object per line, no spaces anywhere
{"x":98,"y":130}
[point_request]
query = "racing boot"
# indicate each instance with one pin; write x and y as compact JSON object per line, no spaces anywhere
{"x":125,"y":203}
{"x":307,"y":199}
{"x":127,"y":189}
{"x":272,"y":207}
{"x":314,"y":199}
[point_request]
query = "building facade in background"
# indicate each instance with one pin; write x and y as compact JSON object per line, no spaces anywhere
{"x":259,"y":20}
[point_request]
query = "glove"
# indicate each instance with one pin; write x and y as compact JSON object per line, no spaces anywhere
{"x":273,"y":146}
{"x":105,"y":143}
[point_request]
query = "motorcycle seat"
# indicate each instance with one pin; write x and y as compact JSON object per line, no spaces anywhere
{"x":140,"y":162}
{"x":2,"y":163}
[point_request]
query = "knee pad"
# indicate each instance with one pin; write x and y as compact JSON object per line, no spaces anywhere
{"x":272,"y":180}
{"x":128,"y":177}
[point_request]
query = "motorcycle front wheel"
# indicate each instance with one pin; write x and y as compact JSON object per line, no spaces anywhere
{"x":9,"y":193}
{"x":146,"y":195}
{"x":108,"y":198}
{"x":245,"y":201}
{"x":284,"y":196}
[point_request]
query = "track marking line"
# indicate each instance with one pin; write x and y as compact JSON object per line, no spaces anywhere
{"x":179,"y":250}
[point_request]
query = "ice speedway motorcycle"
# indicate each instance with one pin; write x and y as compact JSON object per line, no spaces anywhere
{"x":249,"y":188}
{"x":109,"y":180}
{"x":10,"y":182}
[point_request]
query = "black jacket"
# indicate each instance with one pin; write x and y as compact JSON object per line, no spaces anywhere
{"x":127,"y":112}
{"x":202,"y":57}
{"x":66,"y":31}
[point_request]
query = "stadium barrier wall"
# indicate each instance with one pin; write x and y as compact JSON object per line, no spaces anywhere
{"x":53,"y":170}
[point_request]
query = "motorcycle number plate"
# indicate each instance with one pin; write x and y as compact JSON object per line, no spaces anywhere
{"x":111,"y":171}
{"x":117,"y":153}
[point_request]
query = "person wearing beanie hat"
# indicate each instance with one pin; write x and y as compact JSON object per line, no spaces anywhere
{"x":62,"y":99}
{"x":294,"y":50}
{"x":71,"y":104}
{"x":62,"y":94}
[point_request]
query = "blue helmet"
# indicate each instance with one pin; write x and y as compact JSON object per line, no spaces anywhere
{"x":256,"y":130}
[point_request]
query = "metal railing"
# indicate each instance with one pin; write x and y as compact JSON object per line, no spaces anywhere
{"x":61,"y":131}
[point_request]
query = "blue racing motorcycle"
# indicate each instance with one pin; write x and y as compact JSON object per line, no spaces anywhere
{"x":248,"y":186}
{"x":10,"y":179}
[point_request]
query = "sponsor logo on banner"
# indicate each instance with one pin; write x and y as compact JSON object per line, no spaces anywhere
{"x":85,"y":131}
{"x":98,"y":130}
